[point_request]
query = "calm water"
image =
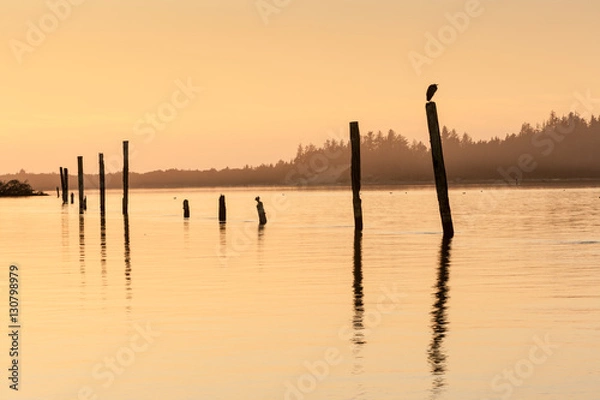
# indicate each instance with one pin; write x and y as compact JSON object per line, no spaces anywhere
{"x":161,"y":308}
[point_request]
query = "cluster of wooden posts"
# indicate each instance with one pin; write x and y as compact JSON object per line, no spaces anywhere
{"x":436,"y":152}
{"x":64,"y":183}
{"x":64,"y":187}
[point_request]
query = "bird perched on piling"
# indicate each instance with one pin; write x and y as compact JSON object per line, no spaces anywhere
{"x":431,"y":91}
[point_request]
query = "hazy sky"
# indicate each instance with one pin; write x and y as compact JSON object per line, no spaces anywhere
{"x":263,"y":76}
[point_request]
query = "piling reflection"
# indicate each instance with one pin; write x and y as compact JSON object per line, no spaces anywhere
{"x":222,"y":247}
{"x":223,"y":236}
{"x":81,"y":244}
{"x":358,"y":338}
{"x":65,"y":233}
{"x":127,"y":257}
{"x":359,"y":308}
{"x":186,"y":234}
{"x":103,"y":248}
{"x":439,"y":322}
{"x":82,"y":255}
{"x":260,"y":245}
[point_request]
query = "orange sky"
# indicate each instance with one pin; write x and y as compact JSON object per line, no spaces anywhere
{"x":293,"y":71}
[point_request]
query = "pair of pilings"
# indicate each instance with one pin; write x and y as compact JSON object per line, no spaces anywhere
{"x":439,"y":169}
{"x":222,"y":209}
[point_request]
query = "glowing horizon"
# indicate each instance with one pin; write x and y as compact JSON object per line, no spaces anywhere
{"x":81,"y":76}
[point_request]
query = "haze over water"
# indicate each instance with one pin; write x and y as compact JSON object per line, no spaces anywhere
{"x":303,"y":309}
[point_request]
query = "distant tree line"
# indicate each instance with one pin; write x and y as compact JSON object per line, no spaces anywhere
{"x":559,"y":148}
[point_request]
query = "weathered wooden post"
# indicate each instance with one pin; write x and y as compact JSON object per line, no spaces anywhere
{"x":85,"y":203}
{"x":65,"y":188}
{"x":439,"y":169}
{"x":262,"y":217}
{"x":125,"y":177}
{"x":186,"y":209}
{"x":222,"y":210}
{"x":57,"y":193}
{"x":102,"y":184}
{"x":80,"y":183}
{"x":62,"y":184}
{"x":72,"y":198}
{"x":355,"y":173}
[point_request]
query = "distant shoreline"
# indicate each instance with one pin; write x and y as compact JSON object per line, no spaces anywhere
{"x":373,"y":185}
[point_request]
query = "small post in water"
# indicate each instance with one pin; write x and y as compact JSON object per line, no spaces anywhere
{"x":262,"y":217}
{"x":439,"y":169}
{"x":355,"y":173}
{"x":186,"y":209}
{"x":125,"y":177}
{"x":80,"y":183}
{"x":102,"y":184}
{"x":223,"y":210}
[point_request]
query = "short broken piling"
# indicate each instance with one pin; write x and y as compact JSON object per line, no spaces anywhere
{"x":223,"y":210}
{"x":262,"y":217}
{"x":186,"y":209}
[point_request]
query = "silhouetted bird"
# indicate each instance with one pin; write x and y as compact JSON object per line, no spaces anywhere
{"x":431,"y":91}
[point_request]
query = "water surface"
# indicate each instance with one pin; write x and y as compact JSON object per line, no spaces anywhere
{"x":303,"y":308}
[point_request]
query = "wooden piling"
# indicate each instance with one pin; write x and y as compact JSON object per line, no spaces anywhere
{"x":262,"y":217}
{"x":80,"y":183}
{"x":66,"y":189}
{"x":186,"y":209}
{"x":355,"y":173}
{"x":222,"y":209}
{"x":57,"y":193}
{"x":72,"y":198}
{"x":439,"y":169}
{"x":125,"y":177}
{"x":62,"y":184}
{"x":102,"y":184}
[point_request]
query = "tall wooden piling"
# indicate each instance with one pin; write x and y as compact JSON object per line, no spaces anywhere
{"x":439,"y":169}
{"x":222,"y":209}
{"x":80,"y":183}
{"x":355,"y":172}
{"x":125,"y":177}
{"x":102,"y":184}
{"x":66,"y":189}
{"x":62,"y":184}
